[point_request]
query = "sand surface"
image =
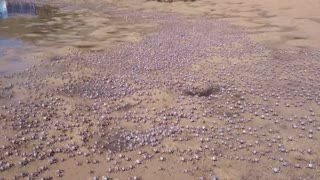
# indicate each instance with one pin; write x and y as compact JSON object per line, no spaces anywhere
{"x":156,"y":90}
{"x":275,"y":23}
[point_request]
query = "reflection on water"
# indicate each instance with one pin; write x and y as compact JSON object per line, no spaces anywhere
{"x":13,"y":28}
{"x":8,"y":8}
{"x":42,"y":28}
{"x":21,"y":8}
{"x":3,"y":9}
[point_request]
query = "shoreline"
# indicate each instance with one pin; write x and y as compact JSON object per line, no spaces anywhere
{"x":191,"y":99}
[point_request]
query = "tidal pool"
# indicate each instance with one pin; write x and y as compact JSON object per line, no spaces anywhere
{"x":18,"y":19}
{"x":32,"y":28}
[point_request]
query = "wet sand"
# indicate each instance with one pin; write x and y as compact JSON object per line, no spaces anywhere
{"x":273,"y":23}
{"x":190,"y":97}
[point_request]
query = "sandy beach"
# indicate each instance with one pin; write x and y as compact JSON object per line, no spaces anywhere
{"x":165,"y":90}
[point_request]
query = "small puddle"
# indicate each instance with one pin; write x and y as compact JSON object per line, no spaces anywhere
{"x":27,"y":28}
{"x":17,"y":19}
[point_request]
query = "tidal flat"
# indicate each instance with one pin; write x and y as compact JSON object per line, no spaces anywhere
{"x":161,"y":90}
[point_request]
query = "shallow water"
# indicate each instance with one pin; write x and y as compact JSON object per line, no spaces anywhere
{"x":53,"y":31}
{"x":15,"y":7}
{"x":17,"y":19}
